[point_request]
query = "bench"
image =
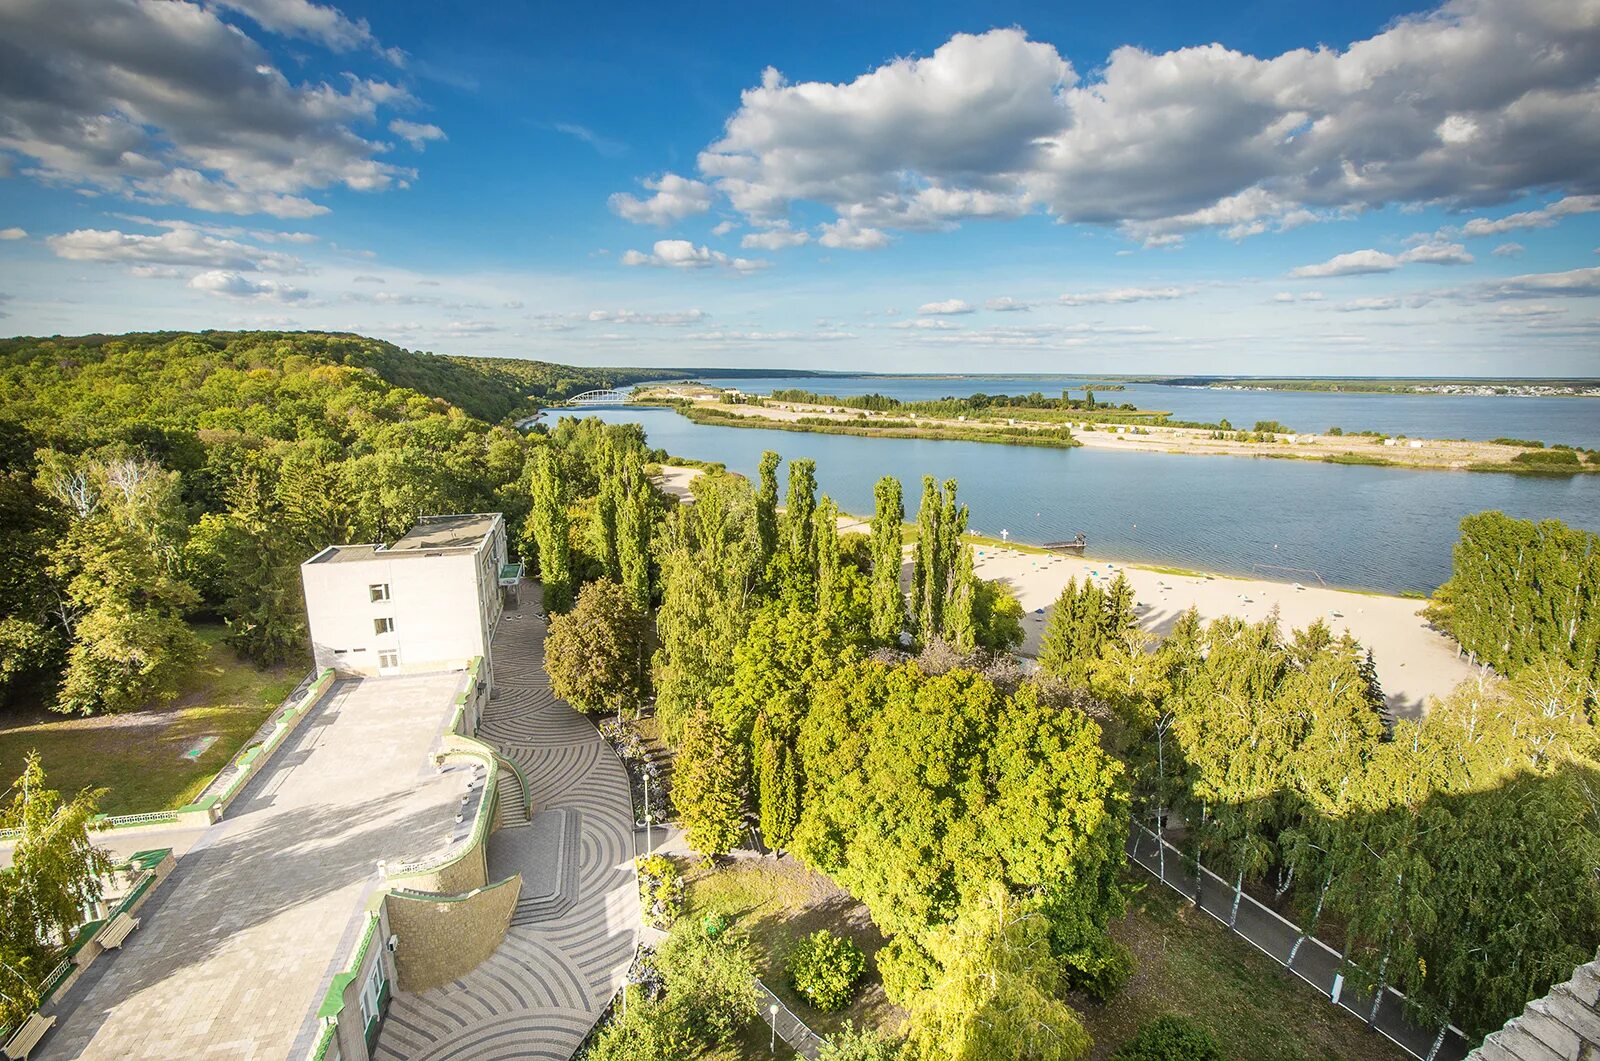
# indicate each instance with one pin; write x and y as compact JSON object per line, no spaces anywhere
{"x":21,"y":1044}
{"x":117,"y":930}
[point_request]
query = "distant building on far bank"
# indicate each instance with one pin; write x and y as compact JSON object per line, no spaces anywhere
{"x":428,"y":602}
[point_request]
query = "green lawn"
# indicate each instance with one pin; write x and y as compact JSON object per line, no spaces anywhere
{"x":777,"y":901}
{"x":1189,"y":964}
{"x":138,"y":756}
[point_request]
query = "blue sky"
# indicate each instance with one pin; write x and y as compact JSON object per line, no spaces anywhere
{"x":1246,"y":187}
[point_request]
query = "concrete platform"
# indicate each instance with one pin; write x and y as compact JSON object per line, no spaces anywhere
{"x":238,"y":947}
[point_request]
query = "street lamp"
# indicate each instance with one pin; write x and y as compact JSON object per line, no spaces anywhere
{"x":772,"y":1014}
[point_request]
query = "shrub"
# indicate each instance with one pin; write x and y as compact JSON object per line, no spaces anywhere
{"x":1170,"y":1038}
{"x":660,"y":890}
{"x":710,"y":980}
{"x":824,"y":968}
{"x":647,"y":1029}
{"x":858,"y":1044}
{"x":1099,"y":968}
{"x":1547,"y":458}
{"x":1272,"y":427}
{"x":1527,"y":443}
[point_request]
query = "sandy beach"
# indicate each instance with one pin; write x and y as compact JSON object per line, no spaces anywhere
{"x":1414,"y":661}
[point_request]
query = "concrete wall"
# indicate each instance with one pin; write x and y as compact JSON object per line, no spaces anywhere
{"x":351,"y":1031}
{"x":439,"y":619}
{"x":441,"y":941}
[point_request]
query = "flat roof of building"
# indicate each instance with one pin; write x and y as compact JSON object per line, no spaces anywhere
{"x":430,"y":534}
{"x":447,"y":532}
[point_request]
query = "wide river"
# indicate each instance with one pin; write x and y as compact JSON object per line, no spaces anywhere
{"x":1376,"y":528}
{"x":1573,"y":421}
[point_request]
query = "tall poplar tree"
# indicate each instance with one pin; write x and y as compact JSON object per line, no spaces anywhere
{"x":548,"y":524}
{"x":888,"y":603}
{"x":767,"y":508}
{"x":924,"y":563}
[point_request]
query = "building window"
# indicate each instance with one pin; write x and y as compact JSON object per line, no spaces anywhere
{"x":388,"y":659}
{"x":379,"y":591}
{"x":383,"y":626}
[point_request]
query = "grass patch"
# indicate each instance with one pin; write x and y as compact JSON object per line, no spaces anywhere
{"x":1355,"y":458}
{"x":138,"y":756}
{"x":1189,"y":964}
{"x":778,"y":901}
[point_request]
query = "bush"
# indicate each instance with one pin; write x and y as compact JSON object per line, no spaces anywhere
{"x":1564,"y":458}
{"x":1272,"y":427}
{"x":660,"y":890}
{"x":824,"y":968}
{"x":1100,"y":968}
{"x":1170,"y":1038}
{"x":710,"y":980}
{"x":651,"y":1030}
{"x":858,"y":1044}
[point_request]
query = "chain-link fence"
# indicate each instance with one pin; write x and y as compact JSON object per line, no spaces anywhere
{"x":1389,"y":1013}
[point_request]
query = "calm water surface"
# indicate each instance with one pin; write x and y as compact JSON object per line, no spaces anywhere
{"x":1573,"y":421}
{"x":1379,"y":528}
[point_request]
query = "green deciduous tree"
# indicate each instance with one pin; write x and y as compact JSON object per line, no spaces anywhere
{"x":766,"y":508}
{"x":596,"y":653}
{"x":996,"y":992}
{"x":54,"y":873}
{"x":708,"y":786}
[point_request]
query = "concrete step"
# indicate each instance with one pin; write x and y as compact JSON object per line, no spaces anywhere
{"x":550,"y":885}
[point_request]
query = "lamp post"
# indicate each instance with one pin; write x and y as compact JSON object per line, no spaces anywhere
{"x":647,"y":812}
{"x":772,"y":1014}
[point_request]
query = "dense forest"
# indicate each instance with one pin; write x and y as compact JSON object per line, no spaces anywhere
{"x":147,"y":480}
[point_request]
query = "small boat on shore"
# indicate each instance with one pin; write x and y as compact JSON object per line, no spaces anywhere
{"x":1076,"y":545}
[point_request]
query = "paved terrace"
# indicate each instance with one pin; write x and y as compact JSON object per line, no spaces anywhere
{"x":236,"y":949}
{"x":539,"y":994}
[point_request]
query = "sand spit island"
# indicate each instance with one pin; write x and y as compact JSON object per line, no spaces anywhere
{"x":1036,"y":420}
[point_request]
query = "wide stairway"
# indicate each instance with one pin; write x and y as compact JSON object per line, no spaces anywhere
{"x":577,"y":920}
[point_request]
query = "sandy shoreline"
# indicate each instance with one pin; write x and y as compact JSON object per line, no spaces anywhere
{"x":1414,"y":661}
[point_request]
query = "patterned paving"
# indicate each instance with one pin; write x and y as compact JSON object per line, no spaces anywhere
{"x":539,"y":994}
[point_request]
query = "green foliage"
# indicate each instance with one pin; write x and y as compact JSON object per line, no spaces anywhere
{"x":766,"y":502}
{"x":708,"y":786}
{"x":922,"y":791}
{"x":824,"y":969}
{"x":595,"y":654}
{"x":710,"y":980}
{"x":1170,"y":1038}
{"x":660,"y":890}
{"x":55,"y":871}
{"x":888,"y":603}
{"x":997,"y":994}
{"x":996,"y":615}
{"x":645,"y":1029}
{"x":1083,"y":623}
{"x":1272,"y":427}
{"x":709,"y":572}
{"x":1521,"y":592}
{"x":547,"y":525}
{"x":858,"y":1044}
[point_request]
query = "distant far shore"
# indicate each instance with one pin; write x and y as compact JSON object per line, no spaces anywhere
{"x":1118,"y":428}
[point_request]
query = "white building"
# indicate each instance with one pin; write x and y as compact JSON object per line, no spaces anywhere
{"x":428,"y":602}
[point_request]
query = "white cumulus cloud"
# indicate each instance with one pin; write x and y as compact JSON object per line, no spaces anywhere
{"x":675,"y":198}
{"x":1117,"y":296}
{"x":236,"y":285}
{"x":682,"y":254}
{"x":949,"y":306}
{"x":417,"y":134}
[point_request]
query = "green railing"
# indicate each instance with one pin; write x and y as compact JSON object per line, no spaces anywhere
{"x":333,"y":1001}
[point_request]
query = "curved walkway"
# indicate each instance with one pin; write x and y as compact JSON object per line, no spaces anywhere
{"x":539,"y":994}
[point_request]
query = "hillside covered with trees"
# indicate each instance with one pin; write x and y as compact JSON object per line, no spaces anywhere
{"x":148,"y":480}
